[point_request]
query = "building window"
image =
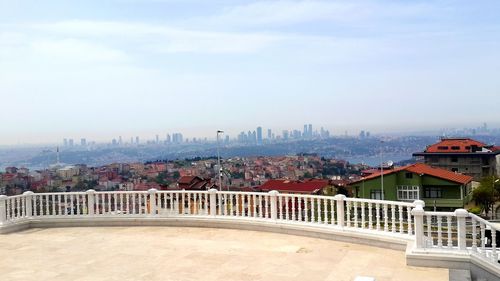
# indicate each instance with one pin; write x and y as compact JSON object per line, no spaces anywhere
{"x":408,"y":192}
{"x":455,"y":148}
{"x":409,"y":175}
{"x":433,"y":192}
{"x":454,"y":170}
{"x":454,"y":159}
{"x":376,"y":194}
{"x":442,"y":147}
{"x":434,"y":159}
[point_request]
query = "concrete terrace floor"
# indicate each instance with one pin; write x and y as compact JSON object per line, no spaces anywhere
{"x":172,"y":253}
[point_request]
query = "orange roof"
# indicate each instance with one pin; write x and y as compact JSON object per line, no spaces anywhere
{"x":454,"y":145}
{"x":420,"y":168}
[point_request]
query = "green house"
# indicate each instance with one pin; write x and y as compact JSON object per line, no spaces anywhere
{"x":438,"y":188}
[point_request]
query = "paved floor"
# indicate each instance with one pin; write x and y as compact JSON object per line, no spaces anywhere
{"x":169,"y":253}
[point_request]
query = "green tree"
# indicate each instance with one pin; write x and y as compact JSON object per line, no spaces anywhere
{"x":487,"y":193}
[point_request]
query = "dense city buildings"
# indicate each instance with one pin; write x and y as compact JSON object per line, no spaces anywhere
{"x":463,"y":155}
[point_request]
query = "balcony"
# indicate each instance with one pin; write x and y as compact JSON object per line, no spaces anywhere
{"x":405,"y":234}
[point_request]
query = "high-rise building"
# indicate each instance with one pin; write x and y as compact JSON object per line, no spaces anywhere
{"x":169,"y":139}
{"x":83,"y":142}
{"x":71,"y":142}
{"x":65,"y":141}
{"x":305,"y":133}
{"x":157,"y":139}
{"x":310,"y":130}
{"x":137,"y":140}
{"x":285,"y":134}
{"x":269,"y":134}
{"x":120,"y":141}
{"x":259,"y":135}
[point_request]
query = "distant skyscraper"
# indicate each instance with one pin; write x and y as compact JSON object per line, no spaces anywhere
{"x":310,"y":130}
{"x":157,"y":139}
{"x":137,"y":140}
{"x":65,"y":141}
{"x":259,"y":135}
{"x":83,"y":142}
{"x":71,"y":142}
{"x":305,"y":134}
{"x":120,"y":140}
{"x":269,"y":134}
{"x":285,"y":134}
{"x":169,"y":139}
{"x":114,"y":142}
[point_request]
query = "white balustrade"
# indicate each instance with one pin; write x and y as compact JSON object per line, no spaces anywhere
{"x":462,"y":231}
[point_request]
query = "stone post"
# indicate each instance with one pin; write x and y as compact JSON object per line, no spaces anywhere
{"x":418,"y":215}
{"x":28,"y":197}
{"x":273,"y":196}
{"x":339,"y":200}
{"x":461,"y":215}
{"x":3,"y":209}
{"x":91,"y":202}
{"x":152,"y":201}
{"x":213,"y":201}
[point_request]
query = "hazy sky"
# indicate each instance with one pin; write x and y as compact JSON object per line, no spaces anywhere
{"x":102,"y":68}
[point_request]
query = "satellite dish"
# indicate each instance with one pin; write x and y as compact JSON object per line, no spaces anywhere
{"x":390,"y":163}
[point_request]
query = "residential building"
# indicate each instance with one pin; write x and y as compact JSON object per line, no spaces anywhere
{"x":438,"y":188}
{"x":311,"y":186}
{"x":463,"y":155}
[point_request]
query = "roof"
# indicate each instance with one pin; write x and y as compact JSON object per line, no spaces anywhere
{"x":455,"y":145}
{"x":420,"y":168}
{"x":186,"y":179}
{"x":309,"y":186}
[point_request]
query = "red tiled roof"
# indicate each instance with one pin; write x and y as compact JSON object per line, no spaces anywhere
{"x":186,"y":179}
{"x":310,"y":186}
{"x":420,"y":168}
{"x":454,"y":146}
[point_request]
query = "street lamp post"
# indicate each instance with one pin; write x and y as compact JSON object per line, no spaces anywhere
{"x":493,"y":196}
{"x":218,"y":159}
{"x":382,"y":170}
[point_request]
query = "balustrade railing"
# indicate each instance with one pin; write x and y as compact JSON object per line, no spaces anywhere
{"x":444,"y":232}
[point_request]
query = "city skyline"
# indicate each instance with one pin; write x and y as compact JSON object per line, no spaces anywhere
{"x":193,"y":66}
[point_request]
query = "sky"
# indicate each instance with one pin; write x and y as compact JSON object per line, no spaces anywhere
{"x":103,"y":68}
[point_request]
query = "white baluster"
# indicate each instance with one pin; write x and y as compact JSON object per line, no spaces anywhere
{"x":363,"y":220}
{"x":440,"y":231}
{"x":348,"y":217}
{"x":355,"y":205}
{"x":306,"y":210}
{"x":400,"y":210}
{"x":280,"y":208}
{"x":370,"y":216}
{"x":449,"y":242}
{"x":410,"y":230}
{"x":332,"y":212}
{"x":261,"y":212}
{"x":494,"y":255}
{"x":291,"y":201}
{"x":393,"y":218}
{"x":53,"y":205}
{"x":325,"y":211}
{"x":483,"y":238}
{"x":386,"y":218}
{"x":429,"y":229}
{"x":474,"y":236}
{"x":78,"y":204}
{"x":377,"y":215}
{"x":299,"y":205}
{"x":318,"y":204}
{"x":47,"y":207}
{"x":58,"y":202}
{"x":313,"y":210}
